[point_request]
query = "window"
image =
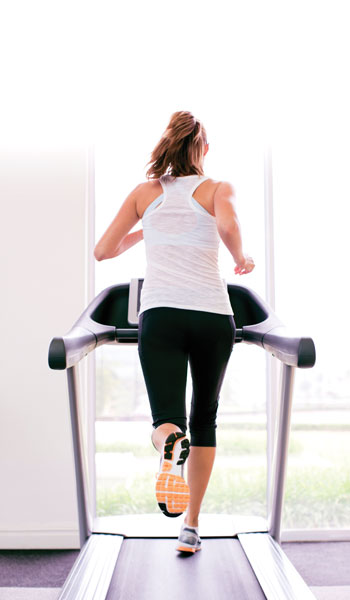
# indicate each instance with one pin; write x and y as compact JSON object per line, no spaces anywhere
{"x":311,"y":190}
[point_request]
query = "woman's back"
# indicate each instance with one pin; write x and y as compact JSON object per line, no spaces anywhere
{"x":182,"y":243}
{"x":203,"y":194}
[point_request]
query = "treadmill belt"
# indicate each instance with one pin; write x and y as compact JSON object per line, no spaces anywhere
{"x":151,"y":569}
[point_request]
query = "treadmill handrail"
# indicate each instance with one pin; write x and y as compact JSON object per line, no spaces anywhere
{"x":86,"y":334}
{"x":67,"y":351}
{"x":292,"y":350}
{"x":274,"y":337}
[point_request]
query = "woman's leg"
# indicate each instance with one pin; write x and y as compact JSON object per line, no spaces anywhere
{"x":212,"y":342}
{"x":164,"y":360}
{"x":199,"y":467}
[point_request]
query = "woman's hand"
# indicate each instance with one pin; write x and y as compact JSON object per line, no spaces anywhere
{"x":246,"y":267}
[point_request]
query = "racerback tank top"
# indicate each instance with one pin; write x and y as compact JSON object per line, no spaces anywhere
{"x":182,"y":243}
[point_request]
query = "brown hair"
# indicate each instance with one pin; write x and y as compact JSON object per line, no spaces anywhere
{"x":180,"y":150}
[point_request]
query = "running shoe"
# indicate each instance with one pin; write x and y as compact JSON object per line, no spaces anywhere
{"x":172,"y":491}
{"x":189,"y":540}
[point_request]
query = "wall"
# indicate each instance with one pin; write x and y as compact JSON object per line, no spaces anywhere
{"x":44,"y":228}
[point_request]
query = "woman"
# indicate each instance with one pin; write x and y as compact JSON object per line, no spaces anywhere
{"x":185,"y":313}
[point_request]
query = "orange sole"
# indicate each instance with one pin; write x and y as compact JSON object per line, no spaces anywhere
{"x":184,"y":549}
{"x":172,"y":491}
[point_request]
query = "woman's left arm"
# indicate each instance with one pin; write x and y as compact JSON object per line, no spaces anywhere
{"x":116,"y":239}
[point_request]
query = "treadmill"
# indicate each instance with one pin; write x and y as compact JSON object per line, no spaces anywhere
{"x":122,"y":558}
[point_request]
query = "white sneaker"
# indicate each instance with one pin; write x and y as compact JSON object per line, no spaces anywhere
{"x":189,"y":540}
{"x":172,"y":491}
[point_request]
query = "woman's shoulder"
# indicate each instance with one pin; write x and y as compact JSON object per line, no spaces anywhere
{"x":146,"y":193}
{"x":225,"y":187}
{"x":149,"y":185}
{"x":220,"y":186}
{"x":219,"y":181}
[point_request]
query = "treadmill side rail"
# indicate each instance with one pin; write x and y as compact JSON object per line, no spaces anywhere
{"x":273,"y":569}
{"x":92,"y":572}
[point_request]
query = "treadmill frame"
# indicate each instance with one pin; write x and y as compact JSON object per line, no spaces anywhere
{"x":91,"y":574}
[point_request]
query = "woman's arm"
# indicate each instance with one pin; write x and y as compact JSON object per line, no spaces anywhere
{"x":130,"y":240}
{"x":116,"y":239}
{"x":229,"y":227}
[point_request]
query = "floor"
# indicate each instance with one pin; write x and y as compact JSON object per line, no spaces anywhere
{"x":40,"y":574}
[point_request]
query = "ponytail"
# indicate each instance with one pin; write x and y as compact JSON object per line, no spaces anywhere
{"x":180,"y":150}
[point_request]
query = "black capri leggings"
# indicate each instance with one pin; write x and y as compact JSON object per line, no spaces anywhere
{"x":168,"y":339}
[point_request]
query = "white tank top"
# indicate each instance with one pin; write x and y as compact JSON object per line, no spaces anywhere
{"x":182,"y":244}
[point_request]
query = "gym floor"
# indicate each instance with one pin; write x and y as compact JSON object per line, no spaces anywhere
{"x":40,"y":574}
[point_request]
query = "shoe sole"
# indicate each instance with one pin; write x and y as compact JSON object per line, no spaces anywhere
{"x":188,"y":549}
{"x":172,"y":491}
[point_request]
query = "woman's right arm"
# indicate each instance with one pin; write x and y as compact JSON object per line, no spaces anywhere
{"x":229,"y":227}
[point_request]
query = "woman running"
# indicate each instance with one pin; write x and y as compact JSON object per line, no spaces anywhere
{"x":185,"y":314}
